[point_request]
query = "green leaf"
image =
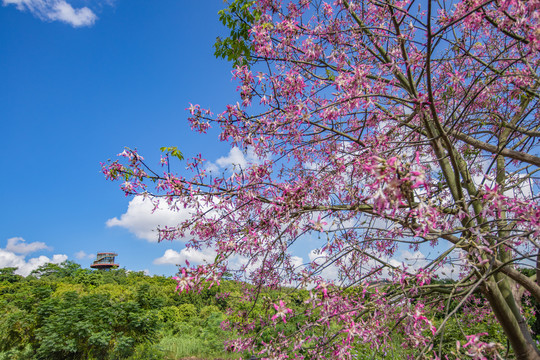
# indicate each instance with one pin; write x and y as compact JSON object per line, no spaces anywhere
{"x":173,"y":151}
{"x":330,"y":74}
{"x":239,"y":17}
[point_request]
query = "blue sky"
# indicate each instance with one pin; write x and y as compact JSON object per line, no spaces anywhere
{"x":79,"y":80}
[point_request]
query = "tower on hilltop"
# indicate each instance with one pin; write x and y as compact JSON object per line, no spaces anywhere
{"x":104,"y":261}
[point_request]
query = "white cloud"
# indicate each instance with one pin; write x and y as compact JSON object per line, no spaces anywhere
{"x":83,"y":255}
{"x":297,"y":261}
{"x":235,"y":157}
{"x":212,"y":168}
{"x":18,"y":245}
{"x":142,"y":220}
{"x":56,"y":10}
{"x":235,"y":160}
{"x":64,"y":12}
{"x":329,"y":272}
{"x":192,"y":255}
{"x":208,"y":255}
{"x":14,"y":255}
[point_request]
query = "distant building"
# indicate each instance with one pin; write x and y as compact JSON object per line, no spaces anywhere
{"x":104,"y":261}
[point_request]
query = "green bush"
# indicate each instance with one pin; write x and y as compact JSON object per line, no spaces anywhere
{"x":207,"y":311}
{"x":169,"y":314}
{"x":92,"y":326}
{"x":187,"y":312}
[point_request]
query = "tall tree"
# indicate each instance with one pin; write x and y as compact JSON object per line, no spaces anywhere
{"x":378,"y":124}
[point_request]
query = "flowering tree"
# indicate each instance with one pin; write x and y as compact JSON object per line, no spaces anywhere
{"x":379,"y":125}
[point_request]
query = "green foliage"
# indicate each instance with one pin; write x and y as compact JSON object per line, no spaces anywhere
{"x":8,"y":275}
{"x":201,"y":340}
{"x":63,"y":311}
{"x":207,"y":311}
{"x":394,"y":351}
{"x":200,"y":299}
{"x":187,"y":312}
{"x":24,"y":353}
{"x":149,"y":297}
{"x":181,"y":346}
{"x":62,"y":270}
{"x":91,"y":326}
{"x":169,"y":314}
{"x":93,"y":278}
{"x":16,"y":329}
{"x":238,"y":17}
{"x":173,"y":151}
{"x":147,"y":351}
{"x":459,"y":326}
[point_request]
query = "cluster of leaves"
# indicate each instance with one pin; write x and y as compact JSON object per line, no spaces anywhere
{"x":239,"y":17}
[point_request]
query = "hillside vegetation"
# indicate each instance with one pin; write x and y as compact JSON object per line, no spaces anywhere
{"x":67,"y":312}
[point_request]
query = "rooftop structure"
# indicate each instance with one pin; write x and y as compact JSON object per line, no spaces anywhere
{"x":104,"y":261}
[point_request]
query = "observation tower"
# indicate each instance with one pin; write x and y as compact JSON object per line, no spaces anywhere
{"x":104,"y":261}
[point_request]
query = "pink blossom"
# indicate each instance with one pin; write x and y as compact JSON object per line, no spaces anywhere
{"x":281,"y":311}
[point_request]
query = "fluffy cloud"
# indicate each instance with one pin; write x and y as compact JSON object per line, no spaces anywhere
{"x":192,"y":255}
{"x":56,"y":10}
{"x":18,"y":245}
{"x":329,"y":272}
{"x":142,"y":220}
{"x":14,"y":255}
{"x":235,"y":160}
{"x":297,"y":261}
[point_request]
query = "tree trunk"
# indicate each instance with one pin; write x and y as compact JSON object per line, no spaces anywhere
{"x":515,"y":327}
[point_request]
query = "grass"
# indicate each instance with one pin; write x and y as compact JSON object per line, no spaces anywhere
{"x":184,"y":347}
